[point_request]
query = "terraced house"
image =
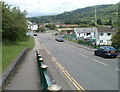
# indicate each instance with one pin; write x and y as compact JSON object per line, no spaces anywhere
{"x":102,"y":35}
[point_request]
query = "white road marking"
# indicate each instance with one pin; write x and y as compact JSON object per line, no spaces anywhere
{"x":100,"y":62}
{"x":83,"y":55}
{"x":117,"y":69}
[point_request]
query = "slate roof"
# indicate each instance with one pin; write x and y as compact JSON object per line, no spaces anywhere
{"x":106,"y":29}
{"x":85,"y":30}
{"x":99,"y":29}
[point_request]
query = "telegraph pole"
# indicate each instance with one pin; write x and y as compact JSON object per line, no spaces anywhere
{"x":95,"y":17}
{"x":95,"y":24}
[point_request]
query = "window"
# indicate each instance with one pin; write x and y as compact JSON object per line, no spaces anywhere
{"x":101,"y":41}
{"x":101,"y":34}
{"x":101,"y":48}
{"x":88,"y":34}
{"x":108,"y":34}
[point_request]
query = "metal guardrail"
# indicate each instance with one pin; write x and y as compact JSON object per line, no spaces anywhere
{"x":45,"y":81}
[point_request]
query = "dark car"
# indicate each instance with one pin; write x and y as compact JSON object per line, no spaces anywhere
{"x":106,"y":51}
{"x":59,"y":39}
{"x":35,"y":34}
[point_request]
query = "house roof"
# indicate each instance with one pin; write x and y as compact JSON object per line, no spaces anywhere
{"x":99,"y":29}
{"x":34,"y":23}
{"x":65,"y":29}
{"x":85,"y":30}
{"x":106,"y":29}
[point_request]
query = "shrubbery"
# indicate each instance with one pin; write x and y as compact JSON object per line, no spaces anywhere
{"x":14,"y":23}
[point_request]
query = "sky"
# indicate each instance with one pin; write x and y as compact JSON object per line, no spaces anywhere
{"x":52,"y":7}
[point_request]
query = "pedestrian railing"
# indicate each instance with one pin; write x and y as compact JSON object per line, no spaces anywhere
{"x":45,"y":81}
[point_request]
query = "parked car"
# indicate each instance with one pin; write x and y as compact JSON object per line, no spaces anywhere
{"x":106,"y":51}
{"x":35,"y":34}
{"x":59,"y":39}
{"x":29,"y":34}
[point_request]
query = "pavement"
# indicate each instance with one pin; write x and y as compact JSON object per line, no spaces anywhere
{"x":27,"y":76}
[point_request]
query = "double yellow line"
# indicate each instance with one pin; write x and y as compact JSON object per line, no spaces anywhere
{"x":75,"y":83}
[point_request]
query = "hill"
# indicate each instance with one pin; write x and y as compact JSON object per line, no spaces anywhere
{"x":83,"y":16}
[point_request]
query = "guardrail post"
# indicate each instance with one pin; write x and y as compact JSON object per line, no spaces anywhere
{"x":46,"y":83}
{"x":40,"y":61}
{"x":43,"y":81}
{"x":38,"y":56}
{"x":37,"y":52}
{"x":54,"y":88}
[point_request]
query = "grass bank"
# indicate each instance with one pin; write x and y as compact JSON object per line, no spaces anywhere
{"x":0,"y":57}
{"x":11,"y":52}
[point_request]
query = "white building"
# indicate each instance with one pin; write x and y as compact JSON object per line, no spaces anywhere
{"x":102,"y":35}
{"x":85,"y":32}
{"x":29,"y":25}
{"x":34,"y":26}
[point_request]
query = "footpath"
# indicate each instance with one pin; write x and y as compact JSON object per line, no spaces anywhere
{"x":27,"y":76}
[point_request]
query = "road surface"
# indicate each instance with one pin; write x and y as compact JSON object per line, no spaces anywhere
{"x":91,"y":72}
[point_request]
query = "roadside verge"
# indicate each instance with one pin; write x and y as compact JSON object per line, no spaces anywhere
{"x":11,"y":70}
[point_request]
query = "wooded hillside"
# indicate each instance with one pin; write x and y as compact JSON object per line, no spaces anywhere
{"x":83,"y":16}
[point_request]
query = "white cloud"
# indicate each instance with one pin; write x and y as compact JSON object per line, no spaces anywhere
{"x":41,"y":7}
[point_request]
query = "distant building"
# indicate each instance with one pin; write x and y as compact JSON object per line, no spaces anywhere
{"x":34,"y":26}
{"x":29,"y":25}
{"x":85,"y":32}
{"x":66,"y":25}
{"x":66,"y":30}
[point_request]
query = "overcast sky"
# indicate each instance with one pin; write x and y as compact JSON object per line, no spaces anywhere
{"x":48,"y":7}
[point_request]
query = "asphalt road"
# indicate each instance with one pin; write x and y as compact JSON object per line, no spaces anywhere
{"x":92,"y":72}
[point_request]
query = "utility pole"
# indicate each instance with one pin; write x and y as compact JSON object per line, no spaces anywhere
{"x":95,"y":25}
{"x":95,"y":17}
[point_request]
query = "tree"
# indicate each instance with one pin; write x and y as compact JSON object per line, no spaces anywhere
{"x":51,"y":26}
{"x":99,"y":22}
{"x":109,"y":22}
{"x":116,"y":40}
{"x":92,"y":23}
{"x":14,"y":24}
{"x":42,"y":29}
{"x":116,"y":37}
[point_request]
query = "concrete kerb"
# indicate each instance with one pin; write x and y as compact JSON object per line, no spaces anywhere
{"x":12,"y":69}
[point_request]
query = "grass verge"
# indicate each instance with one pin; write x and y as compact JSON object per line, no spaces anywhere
{"x":0,"y":57}
{"x":11,"y":52}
